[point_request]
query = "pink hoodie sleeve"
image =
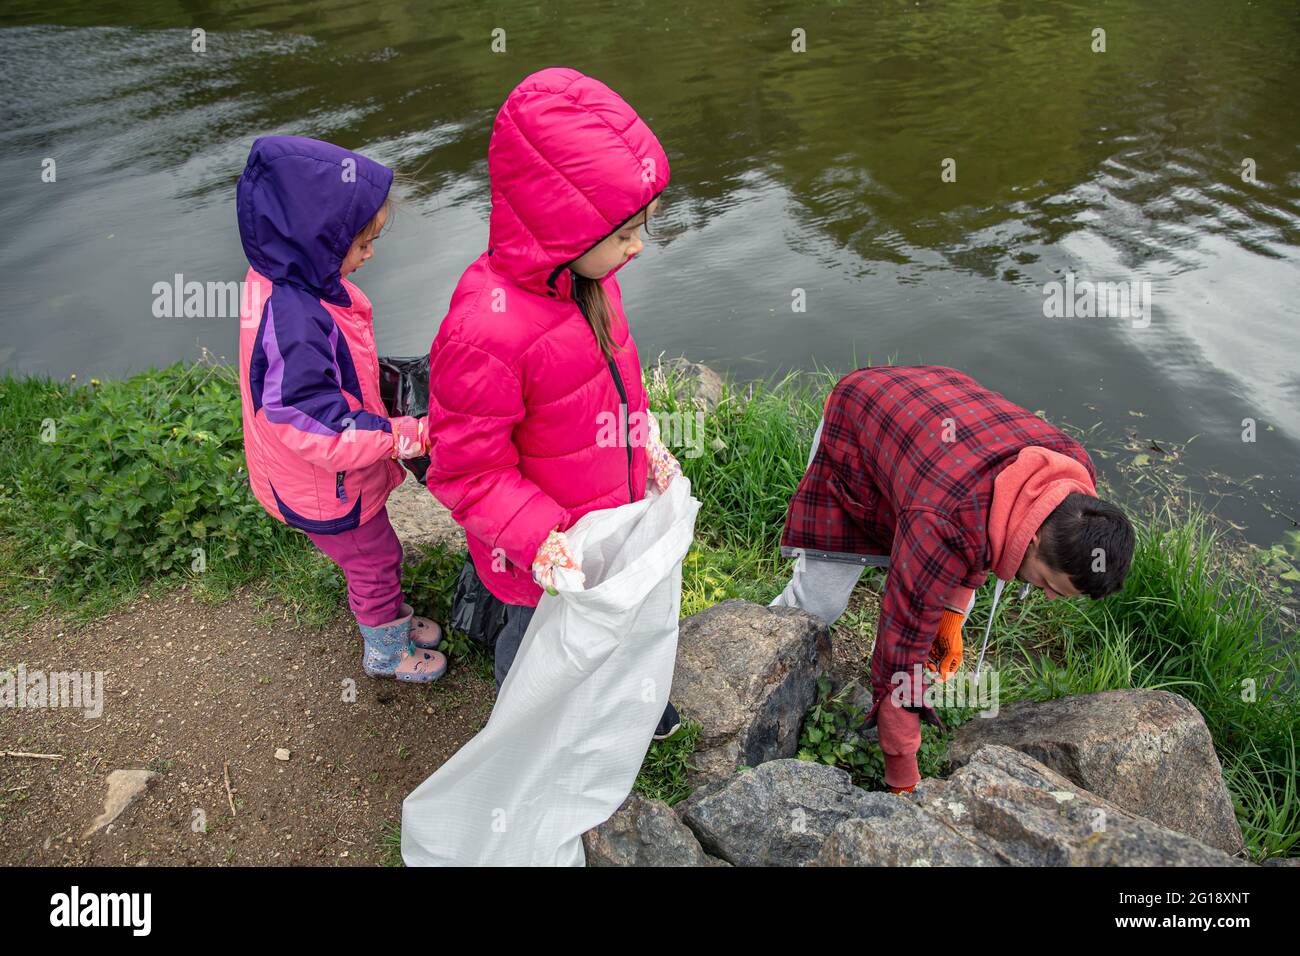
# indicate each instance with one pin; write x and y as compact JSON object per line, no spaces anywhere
{"x":931,"y":558}
{"x":475,"y":401}
{"x":961,"y":598}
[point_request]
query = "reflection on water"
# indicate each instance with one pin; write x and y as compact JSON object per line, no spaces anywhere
{"x":818,"y":171}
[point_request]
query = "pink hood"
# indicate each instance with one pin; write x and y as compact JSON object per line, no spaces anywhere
{"x":570,"y":162}
{"x":1024,"y":494}
{"x":530,"y":426}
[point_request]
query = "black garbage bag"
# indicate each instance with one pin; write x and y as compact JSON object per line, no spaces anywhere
{"x":476,"y":611}
{"x":404,"y":389}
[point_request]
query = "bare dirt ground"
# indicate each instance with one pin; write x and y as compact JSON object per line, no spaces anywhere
{"x":190,"y":687}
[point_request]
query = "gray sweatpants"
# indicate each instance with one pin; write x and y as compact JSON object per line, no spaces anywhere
{"x":821,"y":586}
{"x":518,"y":617}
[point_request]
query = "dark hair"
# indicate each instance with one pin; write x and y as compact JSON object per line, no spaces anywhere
{"x":1077,"y":532}
{"x":592,"y":300}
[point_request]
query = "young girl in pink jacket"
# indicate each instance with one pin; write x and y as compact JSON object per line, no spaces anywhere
{"x":322,"y":451}
{"x":537,"y":412}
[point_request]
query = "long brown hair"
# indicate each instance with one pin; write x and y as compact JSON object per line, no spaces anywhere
{"x":594,"y":303}
{"x":591,"y":298}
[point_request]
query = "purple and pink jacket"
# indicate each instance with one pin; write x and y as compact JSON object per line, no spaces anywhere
{"x":529,"y":426}
{"x":319,"y":443}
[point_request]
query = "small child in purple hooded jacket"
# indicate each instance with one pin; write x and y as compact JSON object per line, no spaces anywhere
{"x":322,"y":451}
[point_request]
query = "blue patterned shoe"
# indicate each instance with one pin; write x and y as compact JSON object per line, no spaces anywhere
{"x":389,"y":652}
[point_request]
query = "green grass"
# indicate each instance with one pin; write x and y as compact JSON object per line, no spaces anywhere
{"x":74,"y":541}
{"x":663,"y":774}
{"x":390,"y":844}
{"x":755,"y":447}
{"x":1189,"y":619}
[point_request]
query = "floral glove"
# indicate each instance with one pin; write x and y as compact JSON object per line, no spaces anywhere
{"x":663,"y":466}
{"x":554,"y":553}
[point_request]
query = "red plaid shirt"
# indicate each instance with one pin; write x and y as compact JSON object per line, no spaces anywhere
{"x":905,"y":468}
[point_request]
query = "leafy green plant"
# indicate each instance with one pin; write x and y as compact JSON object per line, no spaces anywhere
{"x":663,"y":772}
{"x":429,"y":583}
{"x":834,"y":733}
{"x":145,"y":478}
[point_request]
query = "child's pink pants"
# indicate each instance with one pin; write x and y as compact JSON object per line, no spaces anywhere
{"x":371,"y":558}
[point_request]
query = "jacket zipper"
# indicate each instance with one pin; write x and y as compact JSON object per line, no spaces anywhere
{"x":622,"y":394}
{"x":339,"y":490}
{"x":627,"y":439}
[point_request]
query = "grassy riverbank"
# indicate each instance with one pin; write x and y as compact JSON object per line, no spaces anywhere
{"x":106,"y":489}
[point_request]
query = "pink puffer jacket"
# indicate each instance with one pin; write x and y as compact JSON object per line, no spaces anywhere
{"x":528,"y":423}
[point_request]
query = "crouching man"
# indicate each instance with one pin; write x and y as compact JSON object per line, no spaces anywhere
{"x":927,"y":472}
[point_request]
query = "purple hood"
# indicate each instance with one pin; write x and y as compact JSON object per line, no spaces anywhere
{"x":300,"y":203}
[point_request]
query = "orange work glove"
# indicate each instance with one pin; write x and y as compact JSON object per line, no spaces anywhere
{"x":945,"y":652}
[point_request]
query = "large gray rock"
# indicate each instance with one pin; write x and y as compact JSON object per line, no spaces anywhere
{"x":1024,"y":813}
{"x":748,"y":674}
{"x":644,"y":833}
{"x":777,"y":814}
{"x":696,"y":383}
{"x":1147,"y":751}
{"x":894,"y":831}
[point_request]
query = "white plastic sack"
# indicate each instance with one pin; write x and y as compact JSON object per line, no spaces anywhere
{"x":578,"y":709}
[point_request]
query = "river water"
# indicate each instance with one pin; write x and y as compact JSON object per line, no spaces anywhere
{"x":819,"y":171}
